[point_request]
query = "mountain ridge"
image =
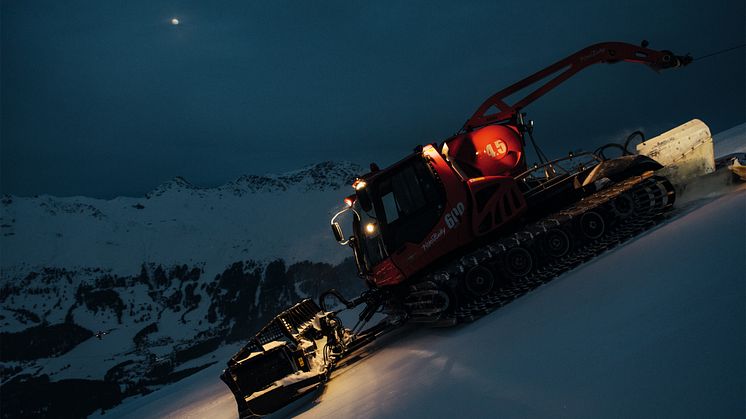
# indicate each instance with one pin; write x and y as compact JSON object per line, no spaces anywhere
{"x":254,"y":217}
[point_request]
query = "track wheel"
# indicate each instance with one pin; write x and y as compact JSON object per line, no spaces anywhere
{"x":556,"y":243}
{"x":592,"y":225}
{"x":624,"y":206}
{"x":479,"y":281}
{"x":518,"y":262}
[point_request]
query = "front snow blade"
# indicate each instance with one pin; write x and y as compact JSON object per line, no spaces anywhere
{"x":281,"y":363}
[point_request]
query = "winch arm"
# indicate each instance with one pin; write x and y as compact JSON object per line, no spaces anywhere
{"x":606,"y":52}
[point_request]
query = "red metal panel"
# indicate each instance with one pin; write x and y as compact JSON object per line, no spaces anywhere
{"x":504,"y":202}
{"x":386,"y":273}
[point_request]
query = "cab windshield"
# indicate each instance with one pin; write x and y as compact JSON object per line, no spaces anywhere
{"x":403,"y":207}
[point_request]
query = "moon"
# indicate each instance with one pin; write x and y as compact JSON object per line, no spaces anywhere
{"x":175,"y":21}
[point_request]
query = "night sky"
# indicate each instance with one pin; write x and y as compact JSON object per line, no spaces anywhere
{"x":108,"y":98}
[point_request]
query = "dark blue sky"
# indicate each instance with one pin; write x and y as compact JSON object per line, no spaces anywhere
{"x":106,"y":98}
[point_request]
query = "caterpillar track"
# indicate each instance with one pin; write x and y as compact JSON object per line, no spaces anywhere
{"x":544,"y":249}
{"x":650,"y":199}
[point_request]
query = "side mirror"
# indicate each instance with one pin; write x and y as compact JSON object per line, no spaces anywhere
{"x":337,"y":230}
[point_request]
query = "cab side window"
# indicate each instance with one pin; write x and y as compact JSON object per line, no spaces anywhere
{"x":411,"y":200}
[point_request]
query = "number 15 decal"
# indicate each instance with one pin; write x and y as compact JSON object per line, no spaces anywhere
{"x":496,"y":149}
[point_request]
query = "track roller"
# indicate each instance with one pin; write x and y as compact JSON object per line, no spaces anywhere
{"x":478,"y":281}
{"x":556,"y":243}
{"x":592,"y":225}
{"x":518,"y":262}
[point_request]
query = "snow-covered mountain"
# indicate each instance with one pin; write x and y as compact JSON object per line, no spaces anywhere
{"x":119,"y":298}
{"x":253,"y":217}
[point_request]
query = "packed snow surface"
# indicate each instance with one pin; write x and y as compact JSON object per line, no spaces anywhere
{"x":654,"y":328}
{"x":732,"y":140}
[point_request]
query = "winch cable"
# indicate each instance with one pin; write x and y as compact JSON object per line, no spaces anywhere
{"x":718,"y":52}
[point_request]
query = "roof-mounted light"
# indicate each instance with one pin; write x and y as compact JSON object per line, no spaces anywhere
{"x":445,"y":151}
{"x":359,"y":184}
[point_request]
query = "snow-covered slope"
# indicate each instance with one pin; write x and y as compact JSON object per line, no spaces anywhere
{"x":654,"y":328}
{"x":732,"y":140}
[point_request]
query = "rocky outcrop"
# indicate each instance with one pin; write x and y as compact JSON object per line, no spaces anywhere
{"x":41,"y":341}
{"x":156,"y":304}
{"x":38,"y":397}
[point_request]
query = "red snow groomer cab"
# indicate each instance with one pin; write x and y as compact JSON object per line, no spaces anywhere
{"x":435,"y":201}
